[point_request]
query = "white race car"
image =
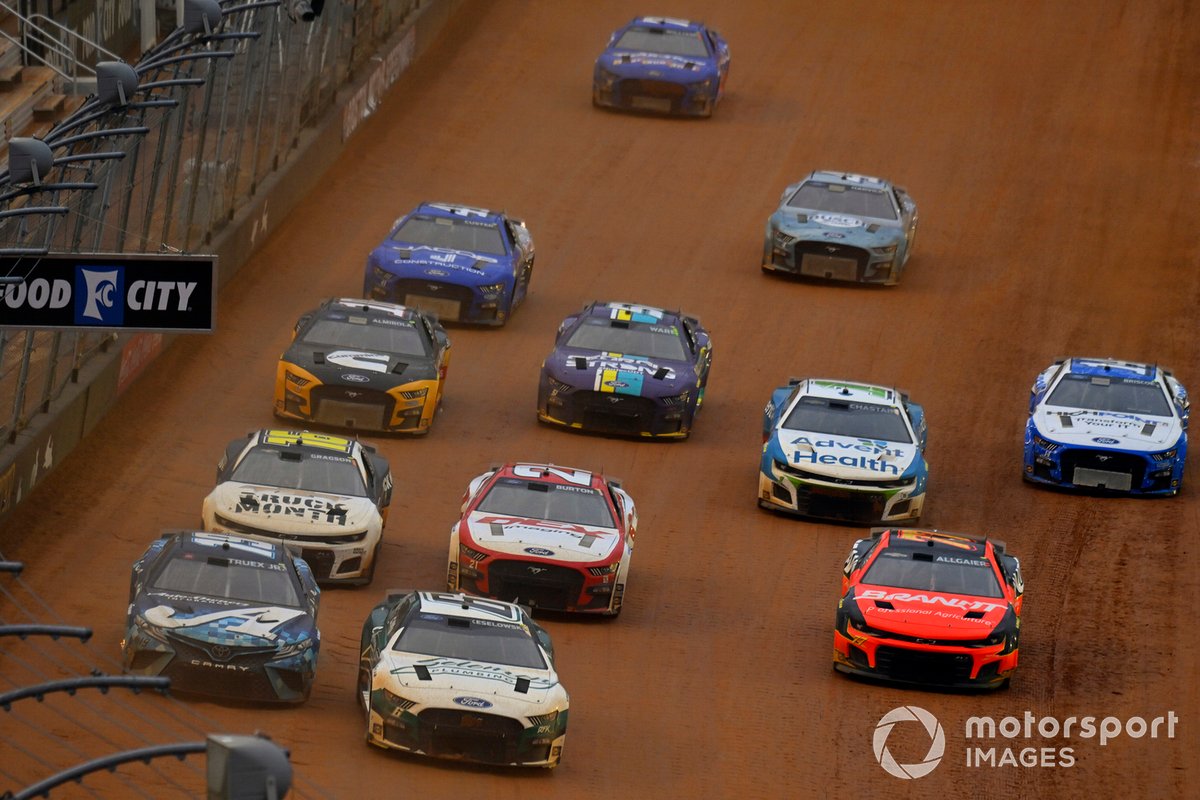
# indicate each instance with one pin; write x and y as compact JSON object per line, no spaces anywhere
{"x":455,"y":676}
{"x":325,"y":494}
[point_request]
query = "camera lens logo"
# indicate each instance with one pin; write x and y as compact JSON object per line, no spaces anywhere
{"x":99,"y":296}
{"x":937,"y":742}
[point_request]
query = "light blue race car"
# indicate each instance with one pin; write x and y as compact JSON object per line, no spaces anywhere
{"x":843,"y":451}
{"x":662,"y":65}
{"x":842,"y":227}
{"x":1109,"y":425}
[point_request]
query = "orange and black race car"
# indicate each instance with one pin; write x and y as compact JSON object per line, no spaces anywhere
{"x":927,"y":607}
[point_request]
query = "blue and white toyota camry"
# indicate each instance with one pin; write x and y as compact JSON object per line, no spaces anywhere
{"x":843,"y":451}
{"x":460,"y":263}
{"x":1109,"y":425}
{"x":842,"y":227}
{"x":662,"y":65}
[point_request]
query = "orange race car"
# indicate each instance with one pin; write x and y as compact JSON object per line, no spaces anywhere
{"x":927,"y":607}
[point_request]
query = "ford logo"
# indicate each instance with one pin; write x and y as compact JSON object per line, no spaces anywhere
{"x":437,"y":273}
{"x":539,"y":551}
{"x":356,"y":378}
{"x":1105,"y":440}
{"x":617,"y":384}
{"x":473,"y":702}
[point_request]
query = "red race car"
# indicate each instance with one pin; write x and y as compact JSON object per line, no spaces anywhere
{"x":927,"y":607}
{"x":548,"y":537}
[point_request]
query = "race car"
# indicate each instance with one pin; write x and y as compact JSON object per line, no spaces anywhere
{"x":225,"y":616}
{"x":927,"y":607}
{"x":842,"y":227}
{"x":1108,"y":425}
{"x":461,"y":263}
{"x":461,"y":677}
{"x":662,"y":65}
{"x":549,"y":537}
{"x":626,"y":369}
{"x":326,"y":495}
{"x":364,"y":364}
{"x":843,"y":451}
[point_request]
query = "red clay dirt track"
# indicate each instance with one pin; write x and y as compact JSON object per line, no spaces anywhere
{"x":1054,"y":153}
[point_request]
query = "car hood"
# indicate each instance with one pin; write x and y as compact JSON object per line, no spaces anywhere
{"x":670,"y":67}
{"x":470,"y":685}
{"x":845,"y":457}
{"x":532,"y":538}
{"x":619,"y":374}
{"x":865,"y":231}
{"x":1109,"y":429}
{"x":441,"y":264}
{"x":360,"y":367}
{"x":932,"y":615}
{"x":233,"y":623}
{"x":292,"y":511}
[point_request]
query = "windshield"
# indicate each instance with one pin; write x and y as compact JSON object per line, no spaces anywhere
{"x":471,"y":640}
{"x":843,"y":418}
{"x":360,"y":334}
{"x":934,"y":572}
{"x":219,"y":576}
{"x":313,"y":472}
{"x":656,"y":40}
{"x":835,"y":198}
{"x":635,"y":339}
{"x":550,"y":501}
{"x":452,"y":234}
{"x":1104,"y":393}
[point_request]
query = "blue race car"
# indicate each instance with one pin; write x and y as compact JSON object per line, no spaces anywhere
{"x":843,"y":227}
{"x":460,"y":263}
{"x":844,"y":451}
{"x":663,"y":65}
{"x":626,"y":369}
{"x":1109,"y":425}
{"x":224,"y":616}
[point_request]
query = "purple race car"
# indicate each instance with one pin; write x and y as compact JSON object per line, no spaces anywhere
{"x":626,"y":369}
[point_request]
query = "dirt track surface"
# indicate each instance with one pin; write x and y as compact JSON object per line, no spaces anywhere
{"x":1054,"y":155}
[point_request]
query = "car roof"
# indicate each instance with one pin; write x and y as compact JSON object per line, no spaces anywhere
{"x":459,"y":211}
{"x":206,"y":543}
{"x":667,"y":23}
{"x":372,"y":309}
{"x":848,"y":179}
{"x":632,"y":312}
{"x":938,"y":542}
{"x":551,"y":473}
{"x":466,"y":606}
{"x":305,"y":442}
{"x":851,"y":391}
{"x":1113,"y":368}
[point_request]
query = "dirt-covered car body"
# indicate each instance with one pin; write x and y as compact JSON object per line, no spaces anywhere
{"x":928,"y":607}
{"x":846,"y":451}
{"x":662,"y":65}
{"x":225,"y":616}
{"x":1104,"y":424}
{"x":627,"y":370}
{"x":460,"y":263}
{"x":364,"y":364}
{"x":843,"y":227}
{"x":326,"y":495}
{"x":455,"y":676}
{"x":548,"y":537}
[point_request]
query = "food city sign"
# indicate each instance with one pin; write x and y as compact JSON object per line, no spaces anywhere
{"x":173,"y":293}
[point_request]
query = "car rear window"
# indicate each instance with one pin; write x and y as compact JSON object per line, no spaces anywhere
{"x":836,"y":198}
{"x":452,"y":234}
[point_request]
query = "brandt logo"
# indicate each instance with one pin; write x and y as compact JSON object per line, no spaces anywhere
{"x":937,"y":742}
{"x":99,"y":296}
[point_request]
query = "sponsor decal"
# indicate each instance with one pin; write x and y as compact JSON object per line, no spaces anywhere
{"x":436,"y":273}
{"x":472,"y":702}
{"x":967,"y":562}
{"x":929,"y":599}
{"x":933,"y":756}
{"x":539,"y":551}
{"x":626,"y":312}
{"x":307,"y":439}
{"x":473,"y":669}
{"x":257,"y":622}
{"x":576,"y":476}
{"x":835,"y":220}
{"x":355,"y":378}
{"x":1105,"y":440}
{"x":540,"y":524}
{"x":357,"y":359}
{"x":287,"y":505}
{"x":855,"y":462}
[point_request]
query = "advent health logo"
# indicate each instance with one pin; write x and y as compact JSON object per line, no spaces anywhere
{"x":937,"y":742}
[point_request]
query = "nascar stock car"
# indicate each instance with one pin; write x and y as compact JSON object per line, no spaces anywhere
{"x":927,"y":607}
{"x":461,"y":263}
{"x":223,"y":615}
{"x":326,"y":495}
{"x":843,"y":227}
{"x":455,"y":676}
{"x":364,"y":364}
{"x":1103,"y":424}
{"x":548,"y":537}
{"x":626,"y":369}
{"x":843,"y":451}
{"x":664,"y":65}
